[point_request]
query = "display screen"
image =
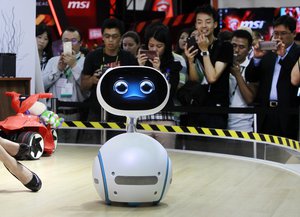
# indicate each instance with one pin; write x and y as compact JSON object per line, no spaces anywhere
{"x":258,"y":19}
{"x":135,"y":88}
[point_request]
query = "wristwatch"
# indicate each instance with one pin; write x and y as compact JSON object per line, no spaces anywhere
{"x":204,"y":53}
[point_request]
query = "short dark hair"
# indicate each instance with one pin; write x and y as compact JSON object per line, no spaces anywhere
{"x":287,"y":21}
{"x":74,"y":29}
{"x":241,"y":33}
{"x":111,"y":23}
{"x":209,"y":10}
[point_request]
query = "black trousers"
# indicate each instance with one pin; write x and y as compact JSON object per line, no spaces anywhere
{"x":279,"y":124}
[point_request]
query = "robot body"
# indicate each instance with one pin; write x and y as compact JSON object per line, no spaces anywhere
{"x":129,"y":173}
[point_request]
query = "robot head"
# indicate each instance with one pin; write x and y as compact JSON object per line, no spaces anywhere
{"x":132,"y":91}
{"x":132,"y":168}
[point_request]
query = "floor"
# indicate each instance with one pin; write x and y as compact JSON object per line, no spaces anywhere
{"x":204,"y":184}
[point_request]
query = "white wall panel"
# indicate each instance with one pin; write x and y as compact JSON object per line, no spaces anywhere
{"x":17,"y":35}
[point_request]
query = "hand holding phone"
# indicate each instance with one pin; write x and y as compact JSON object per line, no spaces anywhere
{"x":67,"y":47}
{"x":191,"y":41}
{"x":149,"y":53}
{"x":267,"y":45}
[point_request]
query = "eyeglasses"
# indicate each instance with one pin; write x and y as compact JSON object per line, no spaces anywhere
{"x":73,"y":40}
{"x":113,"y":36}
{"x":282,"y":34}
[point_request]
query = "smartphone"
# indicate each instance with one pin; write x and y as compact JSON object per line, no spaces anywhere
{"x":149,"y":53}
{"x":267,"y":45}
{"x":191,"y":41}
{"x":67,"y":47}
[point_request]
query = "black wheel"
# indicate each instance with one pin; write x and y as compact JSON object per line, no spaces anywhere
{"x":2,"y":134}
{"x":36,"y":142}
{"x":12,"y":137}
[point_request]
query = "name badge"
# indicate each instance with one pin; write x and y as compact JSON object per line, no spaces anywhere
{"x":67,"y":90}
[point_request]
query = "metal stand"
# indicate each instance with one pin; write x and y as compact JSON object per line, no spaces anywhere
{"x":131,"y":125}
{"x":103,"y":132}
{"x":255,"y":130}
{"x":53,"y":102}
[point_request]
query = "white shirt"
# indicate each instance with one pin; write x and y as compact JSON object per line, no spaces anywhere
{"x":277,"y":68}
{"x":65,"y":88}
{"x":239,"y":122}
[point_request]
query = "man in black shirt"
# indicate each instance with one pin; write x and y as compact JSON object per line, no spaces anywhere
{"x":215,"y":58}
{"x":99,"y":60}
{"x":272,"y":70}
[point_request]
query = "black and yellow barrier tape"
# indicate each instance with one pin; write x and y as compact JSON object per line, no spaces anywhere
{"x":188,"y":130}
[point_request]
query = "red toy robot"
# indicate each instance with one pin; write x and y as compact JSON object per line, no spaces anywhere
{"x":33,"y":124}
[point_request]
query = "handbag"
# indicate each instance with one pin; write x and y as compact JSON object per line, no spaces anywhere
{"x":192,"y":93}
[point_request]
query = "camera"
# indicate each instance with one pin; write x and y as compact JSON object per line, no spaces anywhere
{"x":267,"y":45}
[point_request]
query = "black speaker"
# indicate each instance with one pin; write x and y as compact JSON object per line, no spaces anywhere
{"x":8,"y":65}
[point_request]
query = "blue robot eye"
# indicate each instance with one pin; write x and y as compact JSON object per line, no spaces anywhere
{"x":121,"y":87}
{"x":147,"y":87}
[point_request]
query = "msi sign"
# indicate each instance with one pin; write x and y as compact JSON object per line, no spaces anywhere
{"x":78,"y":4}
{"x":79,"y":8}
{"x":258,"y":24}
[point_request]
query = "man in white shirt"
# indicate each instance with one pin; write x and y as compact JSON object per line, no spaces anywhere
{"x":62,"y":75}
{"x":241,"y":93}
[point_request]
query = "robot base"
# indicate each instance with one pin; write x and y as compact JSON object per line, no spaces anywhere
{"x":132,"y":168}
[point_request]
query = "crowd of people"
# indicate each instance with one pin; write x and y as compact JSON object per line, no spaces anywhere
{"x":225,"y":70}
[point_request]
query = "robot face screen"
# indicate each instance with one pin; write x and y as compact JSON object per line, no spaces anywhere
{"x":133,"y":88}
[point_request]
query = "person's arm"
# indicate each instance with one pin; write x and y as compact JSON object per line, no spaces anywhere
{"x":87,"y":81}
{"x":52,"y":72}
{"x":248,"y":90}
{"x":258,"y":54}
{"x":141,"y":58}
{"x":295,"y":74}
{"x":190,"y":55}
{"x":193,"y":75}
{"x":213,"y":72}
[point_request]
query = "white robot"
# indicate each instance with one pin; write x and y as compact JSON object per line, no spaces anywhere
{"x":132,"y":167}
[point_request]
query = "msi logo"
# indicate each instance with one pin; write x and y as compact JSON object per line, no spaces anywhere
{"x":78,"y":4}
{"x":258,"y":24}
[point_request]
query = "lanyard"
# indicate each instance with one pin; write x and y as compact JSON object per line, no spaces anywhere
{"x":68,"y":70}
